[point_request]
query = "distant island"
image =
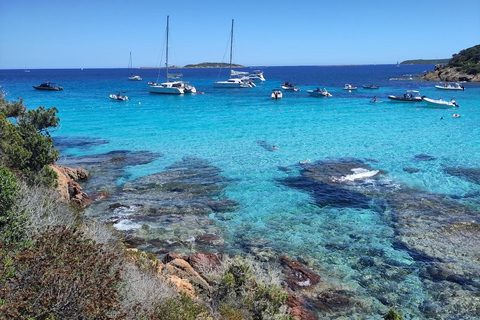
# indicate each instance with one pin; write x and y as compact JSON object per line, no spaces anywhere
{"x":425,"y":61}
{"x":464,"y":66}
{"x":213,"y":65}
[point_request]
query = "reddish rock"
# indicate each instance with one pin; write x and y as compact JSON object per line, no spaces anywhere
{"x":77,"y":174}
{"x":100,"y":195}
{"x":298,"y":276}
{"x":68,"y":186}
{"x":170,"y":257}
{"x":76,"y":194}
{"x":202,"y":261}
{"x":210,"y":239}
{"x":296,"y":309}
{"x":332,"y":301}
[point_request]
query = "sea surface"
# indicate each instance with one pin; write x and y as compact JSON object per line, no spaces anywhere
{"x":380,"y":199}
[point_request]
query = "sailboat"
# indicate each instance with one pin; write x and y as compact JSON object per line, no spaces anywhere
{"x":26,"y":70}
{"x":171,"y":87}
{"x":235,"y":81}
{"x":132,"y":76}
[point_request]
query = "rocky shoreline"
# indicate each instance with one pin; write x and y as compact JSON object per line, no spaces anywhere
{"x":449,"y":74}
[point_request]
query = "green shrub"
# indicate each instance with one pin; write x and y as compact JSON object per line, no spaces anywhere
{"x":11,"y":221}
{"x":392,"y":315}
{"x":182,"y":308}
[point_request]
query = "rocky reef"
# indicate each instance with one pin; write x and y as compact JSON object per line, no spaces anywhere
{"x":450,"y":74}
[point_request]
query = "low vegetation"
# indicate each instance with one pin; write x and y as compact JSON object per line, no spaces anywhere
{"x":467,"y":61}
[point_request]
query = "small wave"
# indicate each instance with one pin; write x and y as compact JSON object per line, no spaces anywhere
{"x":125,"y":225}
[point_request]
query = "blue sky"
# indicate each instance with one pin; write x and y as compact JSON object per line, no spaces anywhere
{"x":100,"y":34}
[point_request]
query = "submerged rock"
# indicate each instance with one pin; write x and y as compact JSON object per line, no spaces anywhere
{"x":469,"y":174}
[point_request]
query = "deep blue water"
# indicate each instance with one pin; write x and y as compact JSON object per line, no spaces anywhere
{"x":402,"y":217}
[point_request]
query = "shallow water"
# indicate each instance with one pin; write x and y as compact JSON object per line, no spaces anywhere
{"x":392,"y":237}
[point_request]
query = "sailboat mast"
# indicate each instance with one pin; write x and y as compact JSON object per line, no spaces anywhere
{"x":168,"y":18}
{"x":231,"y":48}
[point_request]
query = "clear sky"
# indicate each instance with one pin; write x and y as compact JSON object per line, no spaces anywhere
{"x":100,"y":34}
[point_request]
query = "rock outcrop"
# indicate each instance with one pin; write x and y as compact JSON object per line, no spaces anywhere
{"x":449,"y":74}
{"x":68,"y":185}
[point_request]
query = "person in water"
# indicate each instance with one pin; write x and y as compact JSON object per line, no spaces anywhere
{"x":276,"y":148}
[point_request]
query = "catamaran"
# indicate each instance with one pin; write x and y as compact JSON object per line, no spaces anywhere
{"x":171,"y":87}
{"x":237,"y":79}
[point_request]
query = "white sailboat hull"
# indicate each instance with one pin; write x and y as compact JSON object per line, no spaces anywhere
{"x":167,"y":88}
{"x":231,"y":83}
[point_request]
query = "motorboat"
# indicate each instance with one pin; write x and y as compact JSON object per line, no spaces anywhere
{"x":256,"y":75}
{"x":439,"y":103}
{"x":119,"y":96}
{"x":349,"y":87}
{"x":237,"y":79}
{"x":450,"y":86}
{"x":408,"y":96}
{"x":288,"y":86}
{"x":132,"y":76}
{"x":372,"y":86}
{"x":175,"y":86}
{"x":319,"y":93}
{"x":276,"y":94}
{"x":48,"y":86}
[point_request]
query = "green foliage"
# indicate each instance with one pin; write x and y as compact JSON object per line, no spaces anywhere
{"x":11,"y":109}
{"x":24,"y":147}
{"x":60,"y":276}
{"x":467,"y":60}
{"x":392,"y":315}
{"x":425,"y":61}
{"x":182,"y":308}
{"x":228,"y":313}
{"x":11,"y":221}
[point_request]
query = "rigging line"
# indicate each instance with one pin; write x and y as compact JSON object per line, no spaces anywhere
{"x":160,"y":59}
{"x":224,"y":54}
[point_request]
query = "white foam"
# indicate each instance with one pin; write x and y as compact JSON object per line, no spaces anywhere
{"x":124,"y":225}
{"x":358,"y":174}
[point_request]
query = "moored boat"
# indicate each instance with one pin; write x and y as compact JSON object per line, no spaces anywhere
{"x":319,"y":93}
{"x":349,"y":87}
{"x":439,"y":103}
{"x":256,"y":75}
{"x":288,"y":86}
{"x":450,"y":86}
{"x":372,"y":86}
{"x":119,"y":96}
{"x":132,"y":76}
{"x":276,"y":94}
{"x":408,"y":96}
{"x":50,"y":86}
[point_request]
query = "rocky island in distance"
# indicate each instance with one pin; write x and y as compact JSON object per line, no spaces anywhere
{"x":201,"y":65}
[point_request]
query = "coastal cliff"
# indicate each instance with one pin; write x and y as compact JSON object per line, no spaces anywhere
{"x":464,"y":66}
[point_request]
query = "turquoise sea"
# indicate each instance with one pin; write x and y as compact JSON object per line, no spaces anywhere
{"x":385,"y":207}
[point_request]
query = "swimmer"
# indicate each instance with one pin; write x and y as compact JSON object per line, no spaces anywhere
{"x":456,"y":115}
{"x":276,"y":148}
{"x":306,"y":161}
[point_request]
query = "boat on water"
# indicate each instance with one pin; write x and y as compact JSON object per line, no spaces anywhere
{"x":288,"y":86}
{"x":408,"y":77}
{"x":408,"y":96}
{"x":132,"y":76}
{"x":372,"y":86}
{"x":256,"y":75}
{"x":319,"y":93}
{"x":119,"y":96}
{"x":349,"y":87}
{"x":237,"y":79}
{"x":439,"y":103}
{"x":450,"y":86}
{"x":174,"y":86}
{"x":49,"y":86}
{"x":276,"y":94}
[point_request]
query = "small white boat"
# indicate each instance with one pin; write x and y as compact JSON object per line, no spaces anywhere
{"x":450,"y":86}
{"x":276,"y":94}
{"x":319,"y":93}
{"x":119,"y":96}
{"x":256,"y":75}
{"x":288,"y":86}
{"x":349,"y":87}
{"x":409,"y":96}
{"x":439,"y":103}
{"x":132,"y":76}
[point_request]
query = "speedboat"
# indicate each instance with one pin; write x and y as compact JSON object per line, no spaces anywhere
{"x":439,"y":103}
{"x":48,"y":86}
{"x":319,"y":93}
{"x":408,"y":96}
{"x":276,"y":94}
{"x":372,"y":86}
{"x":349,"y":87}
{"x":135,"y":78}
{"x":119,"y":96}
{"x":256,"y":75}
{"x":288,"y":86}
{"x":449,"y":86}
